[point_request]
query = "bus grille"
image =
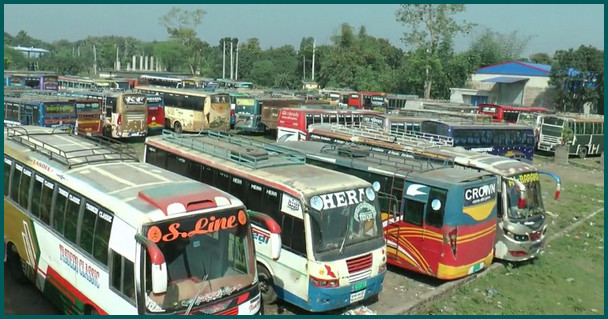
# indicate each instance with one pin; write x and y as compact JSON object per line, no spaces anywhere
{"x":550,"y":139}
{"x":359,"y":268}
{"x":136,"y":116}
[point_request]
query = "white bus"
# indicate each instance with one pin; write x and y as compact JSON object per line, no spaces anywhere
{"x":333,"y":249}
{"x":192,"y":110}
{"x":99,"y":232}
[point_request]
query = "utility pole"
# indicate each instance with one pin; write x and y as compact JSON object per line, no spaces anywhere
{"x":236,"y":71}
{"x":231,"y":69}
{"x":304,"y":66}
{"x":224,"y":59}
{"x":94,"y":60}
{"x":117,"y":59}
{"x":313,"y":59}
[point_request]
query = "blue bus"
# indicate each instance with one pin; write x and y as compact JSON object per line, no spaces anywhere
{"x":248,"y":112}
{"x":502,"y":139}
{"x":40,"y":111}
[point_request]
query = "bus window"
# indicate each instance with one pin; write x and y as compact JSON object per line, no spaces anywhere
{"x":61,"y":203}
{"x":413,"y":211}
{"x":436,"y":204}
{"x":7,"y":174}
{"x":24,"y":188}
{"x":71,"y":218}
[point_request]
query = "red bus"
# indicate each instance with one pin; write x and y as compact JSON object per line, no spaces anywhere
{"x":156,"y":114}
{"x":507,"y":113}
{"x":293,"y":123}
{"x":366,"y":100}
{"x":90,"y":116}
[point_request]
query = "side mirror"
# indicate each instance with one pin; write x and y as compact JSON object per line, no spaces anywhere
{"x":159,"y":266}
{"x":275,"y":232}
{"x":558,"y":182}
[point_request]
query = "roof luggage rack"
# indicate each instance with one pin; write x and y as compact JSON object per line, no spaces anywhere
{"x":103,"y":150}
{"x":243,"y":151}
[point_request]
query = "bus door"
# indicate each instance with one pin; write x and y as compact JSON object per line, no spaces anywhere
{"x":412,"y":232}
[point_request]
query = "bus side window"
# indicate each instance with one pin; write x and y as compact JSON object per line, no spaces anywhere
{"x":413,"y":211}
{"x":46,"y":201}
{"x":122,"y":278}
{"x":36,"y":194}
{"x":15,"y":181}
{"x":292,"y":234}
{"x":7,"y":174}
{"x":436,"y":205}
{"x":24,"y":188}
{"x":253,"y":197}
{"x":71,"y":217}
{"x":61,"y":202}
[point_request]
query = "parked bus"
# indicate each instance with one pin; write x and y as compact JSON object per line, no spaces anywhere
{"x":90,"y":116}
{"x":293,"y":123}
{"x":450,"y":107}
{"x":84,"y":83}
{"x":366,"y":100}
{"x":243,"y":85}
{"x":522,"y":218}
{"x":156,"y":113}
{"x":192,"y":110}
{"x":233,"y":97}
{"x":125,"y":115}
{"x":397,"y":101}
{"x":38,"y":81}
{"x":271,"y":108}
{"x":166,"y":81}
{"x":505,"y":113}
{"x":509,"y":140}
{"x":40,"y":111}
{"x":98,"y":232}
{"x":438,"y":220}
{"x":393,"y":123}
{"x":333,"y":252}
{"x":583,"y":135}
{"x":248,"y":112}
{"x":451,"y":116}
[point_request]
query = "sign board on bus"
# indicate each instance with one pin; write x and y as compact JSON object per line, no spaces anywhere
{"x":245,"y":101}
{"x":134,"y":99}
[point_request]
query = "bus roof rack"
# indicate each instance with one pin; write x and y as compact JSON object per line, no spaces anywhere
{"x":411,"y":139}
{"x":400,"y":163}
{"x":243,"y":151}
{"x":103,"y":150}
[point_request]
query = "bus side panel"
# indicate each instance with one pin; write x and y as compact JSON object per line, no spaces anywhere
{"x":80,"y":280}
{"x":219,"y":116}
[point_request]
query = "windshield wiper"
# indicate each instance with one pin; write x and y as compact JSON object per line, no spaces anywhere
{"x":344,"y":235}
{"x":193,"y":300}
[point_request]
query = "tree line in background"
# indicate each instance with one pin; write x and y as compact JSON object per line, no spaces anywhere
{"x":428,"y":67}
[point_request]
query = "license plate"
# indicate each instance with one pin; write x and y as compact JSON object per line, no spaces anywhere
{"x":357,"y":296}
{"x":359,"y":286}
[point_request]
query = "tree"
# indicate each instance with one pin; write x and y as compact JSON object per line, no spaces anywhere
{"x":171,"y":55}
{"x":430,"y":24}
{"x":181,"y":26}
{"x":578,"y":78}
{"x":541,"y":58}
{"x":492,"y":47}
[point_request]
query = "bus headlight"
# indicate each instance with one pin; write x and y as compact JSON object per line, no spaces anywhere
{"x":516,"y":237}
{"x":316,"y":203}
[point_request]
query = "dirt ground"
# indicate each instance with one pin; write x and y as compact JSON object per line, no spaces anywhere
{"x":583,"y":171}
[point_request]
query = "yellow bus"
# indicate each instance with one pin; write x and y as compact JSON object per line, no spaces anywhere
{"x":191,"y":110}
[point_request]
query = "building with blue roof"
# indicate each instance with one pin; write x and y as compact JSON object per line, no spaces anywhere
{"x":508,"y":83}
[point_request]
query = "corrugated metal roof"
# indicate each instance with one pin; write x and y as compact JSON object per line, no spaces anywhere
{"x":505,"y":79}
{"x":516,"y":68}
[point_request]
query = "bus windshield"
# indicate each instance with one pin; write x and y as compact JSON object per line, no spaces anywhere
{"x":343,"y":219}
{"x":207,"y":258}
{"x":87,"y":106}
{"x":534,"y":202}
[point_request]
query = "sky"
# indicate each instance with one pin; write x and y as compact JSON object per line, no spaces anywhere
{"x":550,"y":27}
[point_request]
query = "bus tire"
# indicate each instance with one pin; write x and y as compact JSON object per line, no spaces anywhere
{"x":92,"y":311}
{"x":177,"y":127}
{"x":15,"y":265}
{"x":269,"y":295}
{"x":582,"y":153}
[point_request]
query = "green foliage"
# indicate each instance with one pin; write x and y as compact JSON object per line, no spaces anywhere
{"x":430,"y":25}
{"x":541,"y":58}
{"x":572,"y":89}
{"x":493,"y":47}
{"x":181,"y":26}
{"x":13,"y":59}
